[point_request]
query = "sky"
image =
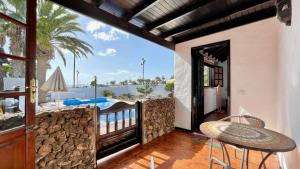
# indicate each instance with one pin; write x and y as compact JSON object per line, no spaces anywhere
{"x":116,"y":56}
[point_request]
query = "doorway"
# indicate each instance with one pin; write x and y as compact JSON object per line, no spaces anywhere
{"x":17,"y":102}
{"x":210,"y":82}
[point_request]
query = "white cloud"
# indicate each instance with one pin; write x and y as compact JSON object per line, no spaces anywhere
{"x":119,"y":31}
{"x":93,"y":26}
{"x":108,"y":52}
{"x":112,"y":34}
{"x":106,"y":36}
{"x":104,"y":32}
{"x":64,"y":51}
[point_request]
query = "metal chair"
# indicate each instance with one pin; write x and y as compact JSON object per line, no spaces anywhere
{"x":244,"y":119}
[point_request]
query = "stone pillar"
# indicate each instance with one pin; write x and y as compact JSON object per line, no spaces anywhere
{"x":158,"y":118}
{"x":66,"y":139}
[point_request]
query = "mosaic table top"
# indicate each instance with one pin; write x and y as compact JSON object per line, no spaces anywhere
{"x":246,"y":136}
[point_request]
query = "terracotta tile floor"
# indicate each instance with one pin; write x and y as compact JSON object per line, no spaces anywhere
{"x":177,"y":150}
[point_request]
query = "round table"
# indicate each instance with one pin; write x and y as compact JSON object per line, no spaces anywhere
{"x":248,"y":137}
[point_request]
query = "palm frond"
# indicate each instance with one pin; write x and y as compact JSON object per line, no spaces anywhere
{"x":62,"y":56}
{"x":57,"y":29}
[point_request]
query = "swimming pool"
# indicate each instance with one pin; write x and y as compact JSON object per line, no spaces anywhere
{"x":102,"y":103}
{"x":76,"y":102}
{"x":111,"y":116}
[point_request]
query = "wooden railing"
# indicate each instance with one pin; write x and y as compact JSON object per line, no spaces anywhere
{"x":118,"y":127}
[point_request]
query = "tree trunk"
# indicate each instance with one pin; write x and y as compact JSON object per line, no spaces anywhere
{"x":17,"y":47}
{"x":43,"y":58}
{"x":2,"y":75}
{"x":42,"y":66}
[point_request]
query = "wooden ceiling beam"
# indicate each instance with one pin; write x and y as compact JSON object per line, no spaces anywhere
{"x":97,"y":3}
{"x":214,"y":16}
{"x":231,"y":23}
{"x":106,"y":17}
{"x":216,"y":51}
{"x":185,"y":10}
{"x":140,"y":9}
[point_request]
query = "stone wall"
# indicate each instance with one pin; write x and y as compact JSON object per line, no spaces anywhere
{"x":65,"y":139}
{"x":158,"y":118}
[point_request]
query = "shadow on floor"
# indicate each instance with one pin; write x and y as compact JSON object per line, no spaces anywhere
{"x":177,"y":150}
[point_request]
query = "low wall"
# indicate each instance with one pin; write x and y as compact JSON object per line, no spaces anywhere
{"x":86,"y":93}
{"x":158,"y":118}
{"x":66,"y":139}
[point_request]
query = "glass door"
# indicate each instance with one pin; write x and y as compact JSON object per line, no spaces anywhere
{"x":17,"y":83}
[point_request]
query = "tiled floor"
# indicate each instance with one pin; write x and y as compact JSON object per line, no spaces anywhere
{"x":177,"y":150}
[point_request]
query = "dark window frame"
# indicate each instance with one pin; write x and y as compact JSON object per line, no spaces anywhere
{"x":212,"y":75}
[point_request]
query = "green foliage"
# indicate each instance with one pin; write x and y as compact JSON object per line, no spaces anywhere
{"x":158,"y":79}
{"x":133,"y":82}
{"x":206,"y":76}
{"x":163,"y":80}
{"x":139,"y":81}
{"x":56,"y":30}
{"x":147,"y":81}
{"x":93,"y":83}
{"x":127,"y":96}
{"x":169,"y":87}
{"x":112,"y":82}
{"x":125,"y":82}
{"x":107,"y":93}
{"x":7,"y":68}
{"x":146,"y":90}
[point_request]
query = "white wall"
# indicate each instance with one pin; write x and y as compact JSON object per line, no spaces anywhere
{"x":289,"y":84}
{"x":210,"y":99}
{"x":11,"y":83}
{"x":86,"y":93}
{"x":253,"y":71}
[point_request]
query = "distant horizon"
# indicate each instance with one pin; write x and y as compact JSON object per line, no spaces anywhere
{"x":117,"y":56}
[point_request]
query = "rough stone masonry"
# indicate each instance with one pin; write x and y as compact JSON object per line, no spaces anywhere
{"x":65,"y":139}
{"x":158,"y":117}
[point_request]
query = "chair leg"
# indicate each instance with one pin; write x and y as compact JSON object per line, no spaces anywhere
{"x":247,"y":159}
{"x":223,"y":154}
{"x":242,"y":160}
{"x":210,"y":156}
{"x":227,"y":154}
{"x":221,"y":163}
{"x":235,"y":154}
{"x":262,"y":157}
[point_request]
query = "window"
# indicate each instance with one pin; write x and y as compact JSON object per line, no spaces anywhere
{"x":218,"y":76}
{"x":206,"y":75}
{"x":212,"y":76}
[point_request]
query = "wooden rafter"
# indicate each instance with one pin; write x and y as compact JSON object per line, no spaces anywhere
{"x":140,"y":9}
{"x":176,"y":14}
{"x":106,"y":17}
{"x":96,"y":3}
{"x":231,"y":23}
{"x":215,"y":16}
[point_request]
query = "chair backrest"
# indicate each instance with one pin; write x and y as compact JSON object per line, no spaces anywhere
{"x":246,"y":119}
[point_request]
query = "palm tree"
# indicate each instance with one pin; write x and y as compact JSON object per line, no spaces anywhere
{"x":17,"y":35}
{"x":56,"y":30}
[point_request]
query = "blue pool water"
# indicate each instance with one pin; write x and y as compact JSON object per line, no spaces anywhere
{"x":111,"y":116}
{"x":76,"y":102}
{"x":102,"y":103}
